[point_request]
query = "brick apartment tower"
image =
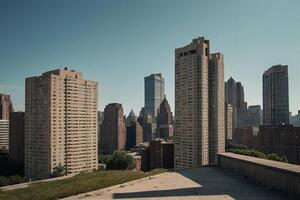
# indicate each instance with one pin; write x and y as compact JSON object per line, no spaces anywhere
{"x":199,"y":105}
{"x":114,"y":130}
{"x":60,"y":123}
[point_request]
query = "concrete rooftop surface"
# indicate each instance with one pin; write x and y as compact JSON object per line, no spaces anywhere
{"x":201,"y":183}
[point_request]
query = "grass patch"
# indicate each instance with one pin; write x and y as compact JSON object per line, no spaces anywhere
{"x":78,"y":184}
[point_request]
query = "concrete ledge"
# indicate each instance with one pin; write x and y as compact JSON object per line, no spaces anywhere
{"x":275,"y":175}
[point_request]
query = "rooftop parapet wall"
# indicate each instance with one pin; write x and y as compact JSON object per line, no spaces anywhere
{"x":275,"y":175}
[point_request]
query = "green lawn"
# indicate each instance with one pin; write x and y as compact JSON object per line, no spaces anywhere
{"x":76,"y":185}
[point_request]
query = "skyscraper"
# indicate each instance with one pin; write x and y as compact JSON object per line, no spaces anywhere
{"x":114,"y":131}
{"x":5,"y":106}
{"x":234,"y":95}
{"x":276,"y":95}
{"x":149,"y":125}
{"x":60,"y":123}
{"x":199,"y":105}
{"x":134,"y":131}
{"x":164,"y":120}
{"x":154,"y":93}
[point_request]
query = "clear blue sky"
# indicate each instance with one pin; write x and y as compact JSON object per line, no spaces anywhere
{"x":120,"y":42}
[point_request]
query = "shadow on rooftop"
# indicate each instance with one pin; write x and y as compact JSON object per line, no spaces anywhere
{"x":212,"y":181}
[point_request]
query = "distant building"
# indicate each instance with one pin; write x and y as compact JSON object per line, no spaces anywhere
{"x":149,"y":126}
{"x":16,"y":136}
{"x":295,"y":120}
{"x":276,"y":96}
{"x":158,"y":154}
{"x":134,"y":131}
{"x":234,"y":95}
{"x":249,"y":116}
{"x":154,"y":93}
{"x":254,"y":116}
{"x":100,"y":131}
{"x":114,"y":130}
{"x":145,"y":158}
{"x":228,"y":122}
{"x":60,"y":124}
{"x":164,"y":120}
{"x":281,"y":140}
{"x":245,"y":136}
{"x":240,"y":96}
{"x":5,"y":107}
{"x":199,"y":105}
{"x":4,"y":135}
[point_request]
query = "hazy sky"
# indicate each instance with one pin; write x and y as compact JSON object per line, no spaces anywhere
{"x":120,"y":42}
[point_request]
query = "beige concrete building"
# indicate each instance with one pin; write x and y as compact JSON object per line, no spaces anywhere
{"x":216,"y":136}
{"x":60,"y":123}
{"x":228,"y":122}
{"x":199,"y":105}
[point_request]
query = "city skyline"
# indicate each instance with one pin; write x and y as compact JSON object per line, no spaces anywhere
{"x":145,"y":45}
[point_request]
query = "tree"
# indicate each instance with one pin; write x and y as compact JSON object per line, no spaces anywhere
{"x":58,"y":171}
{"x":121,"y":161}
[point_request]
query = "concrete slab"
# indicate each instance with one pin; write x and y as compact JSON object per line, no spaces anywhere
{"x":201,"y":184}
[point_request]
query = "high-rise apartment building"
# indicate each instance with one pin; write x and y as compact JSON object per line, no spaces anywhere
{"x":276,"y":95}
{"x":199,"y":105}
{"x":5,"y":106}
{"x":114,"y":130}
{"x":154,"y":93}
{"x":16,"y":136}
{"x":4,"y":135}
{"x":60,"y":124}
{"x":216,"y":136}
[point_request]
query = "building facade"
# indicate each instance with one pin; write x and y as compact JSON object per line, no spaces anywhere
{"x":134,"y":131}
{"x":60,"y":124}
{"x":154,"y":93}
{"x":234,"y":95}
{"x":276,"y":96}
{"x":149,"y":126}
{"x":6,"y":106}
{"x":114,"y":130}
{"x":281,"y":140}
{"x":216,"y":136}
{"x":164,"y":120}
{"x":4,"y":135}
{"x":16,"y":136}
{"x":199,"y":97}
{"x":100,"y":132}
{"x":228,"y":122}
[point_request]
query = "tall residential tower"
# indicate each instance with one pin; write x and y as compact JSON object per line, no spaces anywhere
{"x":199,"y":105}
{"x":60,"y":124}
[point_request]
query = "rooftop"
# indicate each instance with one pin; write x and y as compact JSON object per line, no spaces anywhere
{"x":201,"y":183}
